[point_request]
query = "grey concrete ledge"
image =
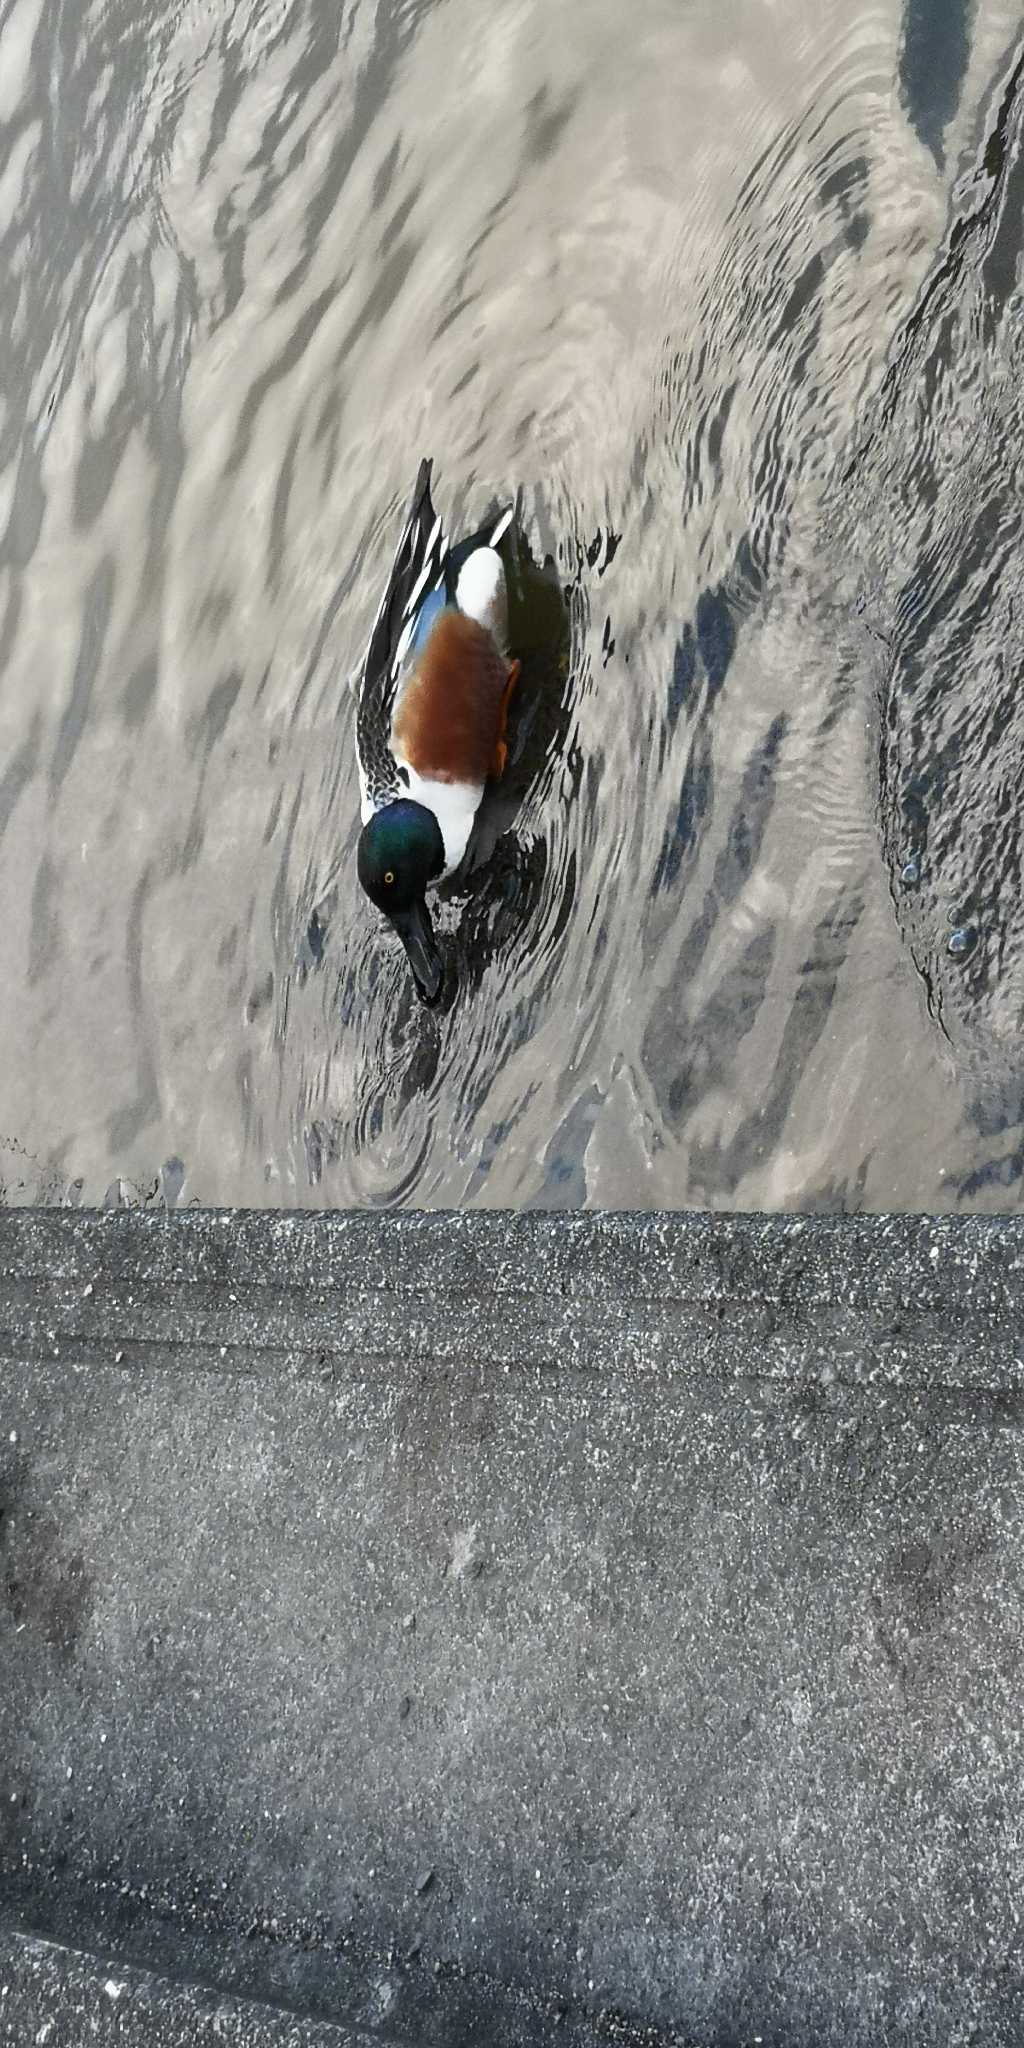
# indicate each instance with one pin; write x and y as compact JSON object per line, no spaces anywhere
{"x":521,"y":1630}
{"x":55,"y":1997}
{"x":907,"y":1300}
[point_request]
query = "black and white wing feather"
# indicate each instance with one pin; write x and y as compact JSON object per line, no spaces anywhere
{"x":419,"y":569}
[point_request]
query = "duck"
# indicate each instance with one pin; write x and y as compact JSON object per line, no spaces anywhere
{"x":432,"y":701}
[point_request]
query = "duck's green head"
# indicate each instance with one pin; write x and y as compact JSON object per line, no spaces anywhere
{"x":400,"y":851}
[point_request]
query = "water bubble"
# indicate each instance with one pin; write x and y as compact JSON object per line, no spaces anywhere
{"x":962,"y":942}
{"x":910,"y":872}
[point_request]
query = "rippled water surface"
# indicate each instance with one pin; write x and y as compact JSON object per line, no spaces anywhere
{"x":731,"y":292}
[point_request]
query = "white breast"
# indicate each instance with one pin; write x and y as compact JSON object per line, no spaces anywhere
{"x":454,"y":805}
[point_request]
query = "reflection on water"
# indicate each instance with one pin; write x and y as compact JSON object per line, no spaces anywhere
{"x":732,"y":294}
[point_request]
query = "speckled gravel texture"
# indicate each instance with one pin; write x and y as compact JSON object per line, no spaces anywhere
{"x":521,"y":1629}
{"x":55,"y":1997}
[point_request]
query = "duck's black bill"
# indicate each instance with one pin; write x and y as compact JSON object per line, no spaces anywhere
{"x":417,"y":935}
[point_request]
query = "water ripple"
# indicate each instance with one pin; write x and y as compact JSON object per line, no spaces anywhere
{"x":732,"y":296}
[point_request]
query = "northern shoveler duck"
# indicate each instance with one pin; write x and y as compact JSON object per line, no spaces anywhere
{"x":432,"y":701}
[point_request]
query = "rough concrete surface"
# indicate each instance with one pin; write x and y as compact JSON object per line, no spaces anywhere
{"x":55,"y":1997}
{"x":521,"y":1629}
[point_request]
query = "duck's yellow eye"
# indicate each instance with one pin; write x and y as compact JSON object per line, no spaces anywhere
{"x":389,"y":877}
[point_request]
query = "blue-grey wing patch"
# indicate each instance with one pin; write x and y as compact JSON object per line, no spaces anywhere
{"x":418,"y":571}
